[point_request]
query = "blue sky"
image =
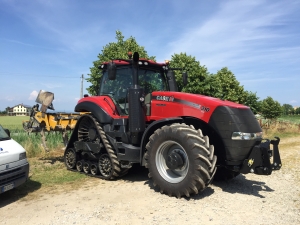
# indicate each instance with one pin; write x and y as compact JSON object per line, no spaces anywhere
{"x":48,"y":44}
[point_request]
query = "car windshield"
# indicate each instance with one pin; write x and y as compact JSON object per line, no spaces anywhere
{"x":3,"y":134}
{"x":150,"y":79}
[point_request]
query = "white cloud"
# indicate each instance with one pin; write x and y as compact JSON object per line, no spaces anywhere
{"x":240,"y":32}
{"x":33,"y":95}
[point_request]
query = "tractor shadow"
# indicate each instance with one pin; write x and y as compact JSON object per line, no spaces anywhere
{"x":19,"y":193}
{"x":136,"y":173}
{"x":139,"y":173}
{"x":241,"y":185}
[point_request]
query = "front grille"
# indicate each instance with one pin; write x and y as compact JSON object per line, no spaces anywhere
{"x":9,"y":179}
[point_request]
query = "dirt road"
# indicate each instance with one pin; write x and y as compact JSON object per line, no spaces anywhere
{"x":249,"y":199}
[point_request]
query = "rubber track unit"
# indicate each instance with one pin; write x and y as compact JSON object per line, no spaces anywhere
{"x":200,"y":160}
{"x":117,"y":172}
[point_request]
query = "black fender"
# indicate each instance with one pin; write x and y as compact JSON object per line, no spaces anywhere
{"x":154,"y":126}
{"x":101,"y":115}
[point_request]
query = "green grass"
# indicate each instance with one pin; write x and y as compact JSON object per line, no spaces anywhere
{"x":291,"y":119}
{"x":32,"y":142}
{"x":13,"y":122}
{"x":51,"y":171}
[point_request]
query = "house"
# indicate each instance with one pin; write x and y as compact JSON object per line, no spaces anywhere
{"x":19,"y":110}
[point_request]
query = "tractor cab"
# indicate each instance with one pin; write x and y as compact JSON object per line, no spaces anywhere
{"x":150,"y":77}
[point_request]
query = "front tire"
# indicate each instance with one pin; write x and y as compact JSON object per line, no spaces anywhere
{"x":180,"y":160}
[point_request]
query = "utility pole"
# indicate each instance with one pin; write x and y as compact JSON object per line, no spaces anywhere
{"x":81,"y":91}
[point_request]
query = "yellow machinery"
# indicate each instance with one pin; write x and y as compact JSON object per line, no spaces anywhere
{"x":42,"y":121}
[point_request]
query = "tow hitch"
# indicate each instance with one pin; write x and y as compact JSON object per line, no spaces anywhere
{"x":259,"y":160}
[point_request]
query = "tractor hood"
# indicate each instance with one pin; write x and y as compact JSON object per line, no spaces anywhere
{"x":183,"y":104}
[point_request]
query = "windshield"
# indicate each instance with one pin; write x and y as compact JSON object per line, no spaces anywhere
{"x":150,"y":79}
{"x":3,"y":134}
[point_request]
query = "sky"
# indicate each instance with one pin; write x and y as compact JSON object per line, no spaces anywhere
{"x":49,"y":44}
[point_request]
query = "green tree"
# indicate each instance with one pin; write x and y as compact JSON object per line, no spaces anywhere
{"x":251,"y":100}
{"x":114,"y":50}
{"x":227,"y":87}
{"x":287,"y":109}
{"x":270,"y":108}
{"x":197,"y":74}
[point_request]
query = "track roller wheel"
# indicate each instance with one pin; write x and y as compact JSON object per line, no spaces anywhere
{"x":94,"y":169}
{"x":86,"y":167}
{"x":79,"y":166}
{"x":178,"y":159}
{"x":70,"y":158}
{"x":105,"y":166}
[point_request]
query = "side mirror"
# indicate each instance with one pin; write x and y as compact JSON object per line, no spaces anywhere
{"x":171,"y":80}
{"x":112,"y":70}
{"x":184,"y":78}
{"x":7,"y":131}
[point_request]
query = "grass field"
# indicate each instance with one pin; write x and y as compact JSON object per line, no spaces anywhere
{"x":13,"y":122}
{"x":291,"y":119}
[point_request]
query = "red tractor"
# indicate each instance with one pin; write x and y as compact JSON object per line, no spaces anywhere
{"x":140,"y":117}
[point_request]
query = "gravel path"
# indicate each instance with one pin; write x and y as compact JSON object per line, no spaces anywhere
{"x":249,"y":199}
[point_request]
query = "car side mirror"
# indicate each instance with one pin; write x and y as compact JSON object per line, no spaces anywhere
{"x":112,"y":70}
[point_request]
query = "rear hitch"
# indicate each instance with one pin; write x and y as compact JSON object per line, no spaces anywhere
{"x":259,"y":161}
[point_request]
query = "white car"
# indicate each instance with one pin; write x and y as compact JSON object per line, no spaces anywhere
{"x":14,"y":167}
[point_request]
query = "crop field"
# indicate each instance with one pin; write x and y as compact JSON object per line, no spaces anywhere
{"x":291,"y":119}
{"x":13,"y":122}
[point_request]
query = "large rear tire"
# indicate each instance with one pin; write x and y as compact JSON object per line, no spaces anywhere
{"x":180,"y":160}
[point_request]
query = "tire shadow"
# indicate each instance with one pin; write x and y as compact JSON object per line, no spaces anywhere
{"x":242,"y":185}
{"x":19,"y":193}
{"x":136,"y":173}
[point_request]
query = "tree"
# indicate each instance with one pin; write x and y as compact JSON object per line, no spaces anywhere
{"x":111,"y":51}
{"x":287,"y":109}
{"x":270,"y":108}
{"x":197,"y":74}
{"x":227,"y":87}
{"x":223,"y":85}
{"x":251,"y":100}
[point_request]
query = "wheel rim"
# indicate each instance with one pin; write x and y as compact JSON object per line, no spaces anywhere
{"x":70,"y":158}
{"x":105,"y":165}
{"x":171,"y":175}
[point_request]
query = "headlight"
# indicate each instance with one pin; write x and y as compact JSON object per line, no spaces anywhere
{"x":246,"y":136}
{"x":22,"y":156}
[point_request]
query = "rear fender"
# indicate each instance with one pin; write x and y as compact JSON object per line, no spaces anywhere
{"x":101,"y":115}
{"x":152,"y":128}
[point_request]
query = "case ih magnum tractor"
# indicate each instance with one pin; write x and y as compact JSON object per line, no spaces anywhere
{"x":139,"y":116}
